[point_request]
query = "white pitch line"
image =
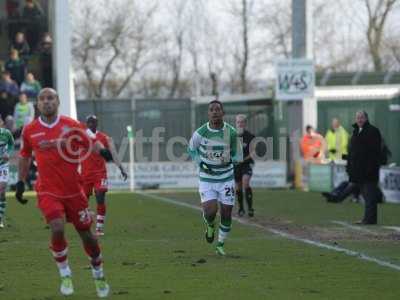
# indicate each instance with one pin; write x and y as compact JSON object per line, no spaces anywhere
{"x":286,"y":235}
{"x":354,"y":227}
{"x":395,"y":228}
{"x":194,"y":239}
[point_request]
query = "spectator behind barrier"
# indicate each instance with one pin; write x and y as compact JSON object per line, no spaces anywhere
{"x":337,"y":140}
{"x":16,"y":66}
{"x":10,"y":124}
{"x":12,"y":8}
{"x":13,"y":16}
{"x":7,"y":104}
{"x":32,"y":10}
{"x":46,"y":63}
{"x":312,"y":146}
{"x":21,"y":45}
{"x":7,"y":85}
{"x":24,"y":111}
{"x":33,"y":15}
{"x":31,"y":87}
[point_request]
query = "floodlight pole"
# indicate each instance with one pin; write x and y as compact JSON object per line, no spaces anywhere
{"x":62,"y":69}
{"x":302,"y":47}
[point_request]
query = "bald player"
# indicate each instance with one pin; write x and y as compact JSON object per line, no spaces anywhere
{"x":57,"y":142}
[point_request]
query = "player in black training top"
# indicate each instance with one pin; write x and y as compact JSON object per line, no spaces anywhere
{"x":244,"y":170}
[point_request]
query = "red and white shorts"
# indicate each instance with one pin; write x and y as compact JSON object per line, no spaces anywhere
{"x":98,"y":184}
{"x":74,"y":208}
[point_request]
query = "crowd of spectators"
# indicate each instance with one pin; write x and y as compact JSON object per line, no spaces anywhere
{"x":28,"y":66}
{"x":26,"y":16}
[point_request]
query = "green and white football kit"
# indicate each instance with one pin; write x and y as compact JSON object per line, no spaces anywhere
{"x":6,"y":147}
{"x":215,"y":151}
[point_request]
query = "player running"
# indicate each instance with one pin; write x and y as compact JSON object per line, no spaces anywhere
{"x":56,"y":141}
{"x":215,"y":147}
{"x":94,"y":172}
{"x":6,"y":149}
{"x":244,"y":170}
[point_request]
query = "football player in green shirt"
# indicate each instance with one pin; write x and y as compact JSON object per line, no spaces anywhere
{"x":215,"y":146}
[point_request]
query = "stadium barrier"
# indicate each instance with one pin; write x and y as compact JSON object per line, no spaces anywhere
{"x":266,"y":174}
{"x":319,"y":177}
{"x":389,"y":179}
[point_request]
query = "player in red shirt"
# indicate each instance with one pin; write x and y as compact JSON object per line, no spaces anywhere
{"x":57,"y":142}
{"x":94,"y":172}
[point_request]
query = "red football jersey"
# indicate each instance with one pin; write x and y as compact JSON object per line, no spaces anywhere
{"x":57,"y":148}
{"x":94,"y":164}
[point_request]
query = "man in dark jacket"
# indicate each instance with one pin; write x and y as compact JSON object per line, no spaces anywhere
{"x":364,"y":162}
{"x":21,"y":45}
{"x":16,"y":66}
{"x":33,"y":16}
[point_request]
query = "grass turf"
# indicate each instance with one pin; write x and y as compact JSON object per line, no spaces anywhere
{"x":155,"y":250}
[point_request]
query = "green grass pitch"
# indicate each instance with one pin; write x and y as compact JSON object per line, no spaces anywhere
{"x":156,"y":250}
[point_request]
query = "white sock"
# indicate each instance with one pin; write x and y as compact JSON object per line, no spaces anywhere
{"x":98,"y":272}
{"x":223,"y":232}
{"x":64,"y":269}
{"x":100,"y":222}
{"x":222,"y":236}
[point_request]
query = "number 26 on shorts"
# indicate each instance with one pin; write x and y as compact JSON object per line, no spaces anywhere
{"x":229,"y":191}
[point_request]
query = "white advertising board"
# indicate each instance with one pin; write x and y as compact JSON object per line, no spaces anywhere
{"x":389,"y":179}
{"x":271,"y":174}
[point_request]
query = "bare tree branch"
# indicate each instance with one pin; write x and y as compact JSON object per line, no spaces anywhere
{"x":377,"y":19}
{"x":110,"y":43}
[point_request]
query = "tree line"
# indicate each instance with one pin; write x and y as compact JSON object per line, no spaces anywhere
{"x":188,"y":48}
